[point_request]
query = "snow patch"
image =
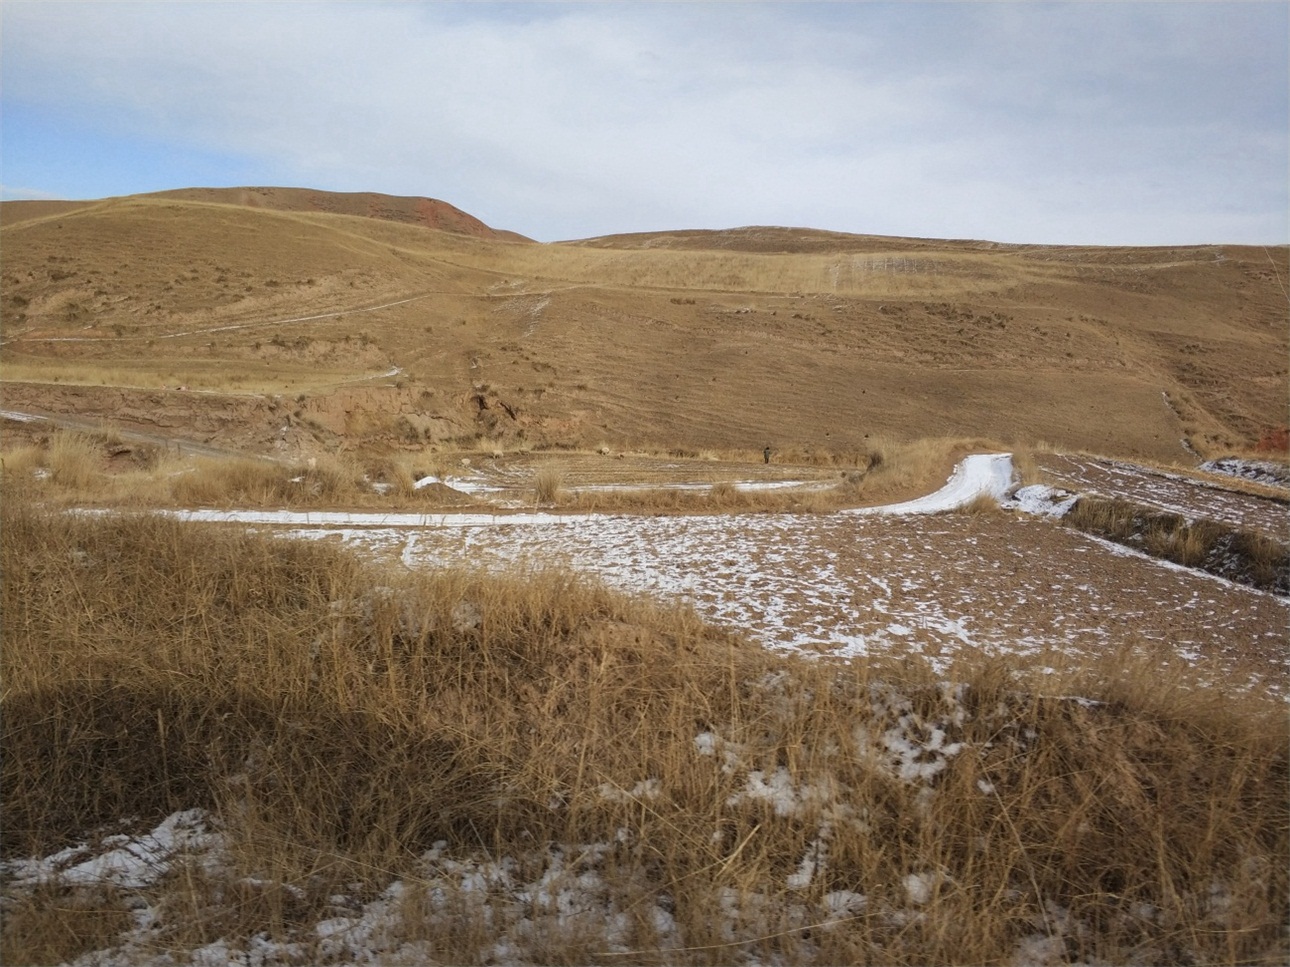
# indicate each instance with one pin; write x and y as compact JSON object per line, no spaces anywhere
{"x":980,"y":473}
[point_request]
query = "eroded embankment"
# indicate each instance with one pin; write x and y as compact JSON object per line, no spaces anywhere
{"x":1216,"y":547}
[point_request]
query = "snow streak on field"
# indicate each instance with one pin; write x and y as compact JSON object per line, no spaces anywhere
{"x":853,"y":585}
{"x":1171,"y":492}
{"x":912,"y":579}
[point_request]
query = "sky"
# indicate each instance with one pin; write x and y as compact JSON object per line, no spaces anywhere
{"x":1061,"y":123}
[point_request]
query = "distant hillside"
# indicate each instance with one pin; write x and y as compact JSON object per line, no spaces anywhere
{"x":769,"y":239}
{"x":306,"y":327}
{"x":410,"y":210}
{"x":12,"y":212}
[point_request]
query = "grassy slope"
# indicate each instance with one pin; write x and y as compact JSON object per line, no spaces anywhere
{"x":729,"y":339}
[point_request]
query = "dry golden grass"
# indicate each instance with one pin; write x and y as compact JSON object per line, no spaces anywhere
{"x":103,"y":470}
{"x":980,"y":505}
{"x":53,"y":925}
{"x":548,"y":485}
{"x":720,"y":498}
{"x":73,"y":461}
{"x":1025,"y":467}
{"x":233,"y":376}
{"x":75,"y":468}
{"x":1241,"y":555}
{"x":341,"y":721}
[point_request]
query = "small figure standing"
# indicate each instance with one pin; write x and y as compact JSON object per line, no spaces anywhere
{"x":766,"y":453}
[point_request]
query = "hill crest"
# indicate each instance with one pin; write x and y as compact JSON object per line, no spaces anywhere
{"x":406,"y":209}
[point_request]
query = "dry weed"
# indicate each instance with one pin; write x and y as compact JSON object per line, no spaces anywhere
{"x":73,"y":460}
{"x":54,"y":924}
{"x":548,"y":485}
{"x":980,"y":505}
{"x":348,"y":726}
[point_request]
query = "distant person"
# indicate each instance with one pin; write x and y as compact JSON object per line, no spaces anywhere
{"x":766,"y":453}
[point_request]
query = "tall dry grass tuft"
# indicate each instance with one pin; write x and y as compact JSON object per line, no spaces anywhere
{"x":54,"y":925}
{"x":73,"y":460}
{"x":548,"y":485}
{"x":1026,"y":466}
{"x":981,"y":505}
{"x":717,"y":803}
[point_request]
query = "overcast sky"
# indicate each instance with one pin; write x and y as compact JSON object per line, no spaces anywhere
{"x":1090,"y":123}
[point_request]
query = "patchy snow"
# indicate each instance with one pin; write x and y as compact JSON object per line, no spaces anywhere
{"x":1267,"y":472}
{"x":906,"y":580}
{"x":130,"y":862}
{"x":1188,"y":497}
{"x":894,"y":580}
{"x":514,"y":906}
{"x":921,"y":586}
{"x":1042,"y":500}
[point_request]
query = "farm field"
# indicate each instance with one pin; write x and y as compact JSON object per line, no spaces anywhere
{"x":912,"y":587}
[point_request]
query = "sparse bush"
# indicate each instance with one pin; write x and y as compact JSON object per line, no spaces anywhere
{"x":396,"y":476}
{"x":723,"y":493}
{"x":228,"y":482}
{"x":981,"y":505}
{"x":22,"y":461}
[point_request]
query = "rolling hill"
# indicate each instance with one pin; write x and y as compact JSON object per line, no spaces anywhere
{"x":300,"y":320}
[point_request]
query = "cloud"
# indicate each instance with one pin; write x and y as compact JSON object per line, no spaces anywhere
{"x":16,"y":193}
{"x":1083,"y":123}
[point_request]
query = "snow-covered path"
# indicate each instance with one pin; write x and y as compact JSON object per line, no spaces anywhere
{"x":977,"y":474}
{"x":980,"y":473}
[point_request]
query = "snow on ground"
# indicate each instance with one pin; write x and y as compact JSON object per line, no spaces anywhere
{"x":519,"y":904}
{"x":1267,"y":472}
{"x":847,"y":585}
{"x":908,"y":579}
{"x":1171,"y":492}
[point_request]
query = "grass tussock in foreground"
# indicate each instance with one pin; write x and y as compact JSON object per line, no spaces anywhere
{"x":455,"y":768}
{"x":1247,"y":557}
